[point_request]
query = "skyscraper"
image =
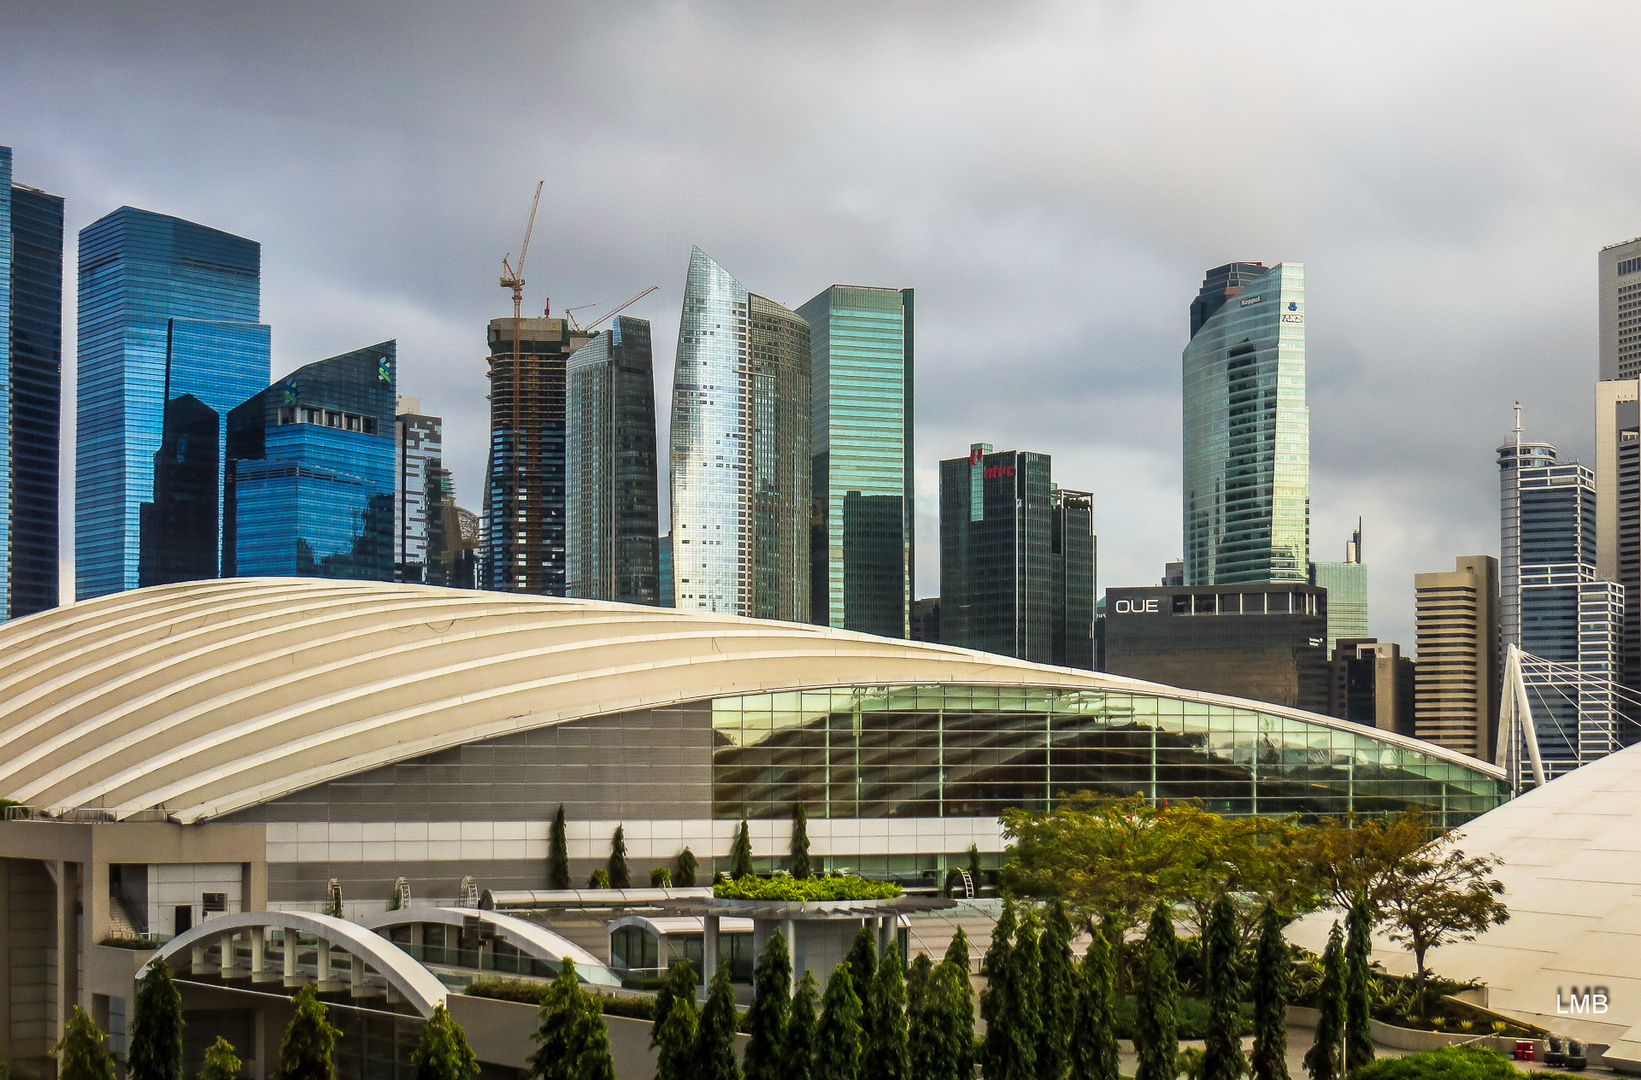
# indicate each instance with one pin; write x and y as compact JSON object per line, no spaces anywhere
{"x":1514,"y":456}
{"x":524,"y":513}
{"x":1346,"y":583}
{"x":740,"y":451}
{"x":614,"y":494}
{"x":31,"y":348}
{"x":1456,"y":681}
{"x":1618,"y":273}
{"x":861,"y":365}
{"x":1247,"y":428}
{"x":1016,"y":559}
{"x":168,"y":309}
{"x":310,"y":480}
{"x":421,"y":488}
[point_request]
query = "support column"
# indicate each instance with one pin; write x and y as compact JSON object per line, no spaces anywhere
{"x":258,"y":937}
{"x":321,"y":973}
{"x":791,"y":930}
{"x":885,"y":927}
{"x":287,"y":938}
{"x":709,"y":951}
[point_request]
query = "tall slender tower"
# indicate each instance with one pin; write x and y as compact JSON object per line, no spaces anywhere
{"x":1247,"y":428}
{"x":1514,"y":456}
{"x":740,"y":452}
{"x":422,"y":480}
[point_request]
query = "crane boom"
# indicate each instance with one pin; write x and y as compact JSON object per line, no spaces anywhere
{"x":618,"y":309}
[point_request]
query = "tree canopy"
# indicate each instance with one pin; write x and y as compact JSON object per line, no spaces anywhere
{"x":308,"y":1051}
{"x":443,"y":1053}
{"x":155,"y":1049}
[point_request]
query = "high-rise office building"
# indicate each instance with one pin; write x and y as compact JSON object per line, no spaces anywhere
{"x":1456,"y":682}
{"x":1513,"y":457}
{"x":740,"y":451}
{"x":31,"y":350}
{"x":613,"y":495}
{"x":1618,"y":273}
{"x":1346,"y":583}
{"x":311,"y":483}
{"x":524,"y":513}
{"x":421,"y":487}
{"x":1371,"y":683}
{"x":168,"y":309}
{"x":1016,"y":559}
{"x":861,"y":552}
{"x":1618,"y":511}
{"x":1247,"y":428}
{"x":663,"y":559}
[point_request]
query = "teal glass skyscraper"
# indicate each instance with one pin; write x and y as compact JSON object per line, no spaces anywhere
{"x":31,"y":344}
{"x":861,"y":558}
{"x":168,"y":310}
{"x":1247,"y":428}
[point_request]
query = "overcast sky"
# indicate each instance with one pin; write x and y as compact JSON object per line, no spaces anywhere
{"x":1053,"y":179}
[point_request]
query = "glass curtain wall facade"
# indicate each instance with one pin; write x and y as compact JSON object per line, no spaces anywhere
{"x":1346,"y":583}
{"x":524,"y":512}
{"x":423,"y":490}
{"x":311,"y":477}
{"x":740,"y":451}
{"x":1247,"y":428}
{"x":861,"y":553}
{"x":614,"y":496}
{"x":168,"y":308}
{"x":31,"y":350}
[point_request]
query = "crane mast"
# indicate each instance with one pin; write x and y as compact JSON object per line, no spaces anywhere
{"x":513,"y":278}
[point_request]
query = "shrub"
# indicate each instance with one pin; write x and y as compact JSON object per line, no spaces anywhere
{"x":804,"y":889}
{"x":1448,"y":1063}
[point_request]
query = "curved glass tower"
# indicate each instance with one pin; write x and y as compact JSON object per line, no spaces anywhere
{"x":1247,"y":428}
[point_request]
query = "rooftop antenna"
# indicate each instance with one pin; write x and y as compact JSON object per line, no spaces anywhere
{"x":1517,"y":431}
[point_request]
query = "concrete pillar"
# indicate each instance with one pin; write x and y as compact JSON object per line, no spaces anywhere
{"x":322,"y":974}
{"x":884,"y":925}
{"x":709,"y":951}
{"x":68,"y":937}
{"x":259,"y":950}
{"x":287,"y":938}
{"x":197,"y":956}
{"x":357,"y":977}
{"x":790,"y":929}
{"x":225,"y":945}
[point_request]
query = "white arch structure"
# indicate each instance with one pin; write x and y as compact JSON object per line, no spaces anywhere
{"x":527,"y":937}
{"x":245,"y":936}
{"x":199,"y":699}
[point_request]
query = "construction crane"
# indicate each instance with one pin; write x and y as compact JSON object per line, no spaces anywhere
{"x":512,"y":278}
{"x":612,"y":313}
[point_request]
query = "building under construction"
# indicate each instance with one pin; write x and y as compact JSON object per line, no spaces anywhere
{"x":525,"y":481}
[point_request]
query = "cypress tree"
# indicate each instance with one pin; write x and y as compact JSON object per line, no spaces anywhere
{"x":838,"y":1034}
{"x":1271,"y":975}
{"x":308,"y":1051}
{"x":575,"y":1044}
{"x":800,"y":841}
{"x":974,"y":866}
{"x":766,"y":1019}
{"x":997,"y":968}
{"x":660,"y":877}
{"x":443,"y":1053}
{"x":951,"y":1002}
{"x":1025,"y":1021}
{"x":921,"y":1024}
{"x":80,"y":1053}
{"x":681,"y":982}
{"x":801,"y":1023}
{"x":715,"y":1036}
{"x":1325,"y":1059}
{"x":600,"y":879}
{"x":957,"y":955}
{"x":558,"y":853}
{"x":685,"y":876}
{"x":1223,"y":1058}
{"x":221,"y":1063}
{"x":741,"y":854}
{"x":1058,"y":996}
{"x":887,"y":1047}
{"x":862,"y":961}
{"x":1093,"y":1049}
{"x":155,"y":1048}
{"x":620,"y":878}
{"x":1359,"y":986}
{"x":1156,"y":1031}
{"x":674,"y":1035}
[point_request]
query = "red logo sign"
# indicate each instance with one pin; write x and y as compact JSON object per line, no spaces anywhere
{"x":997,"y":472}
{"x":975,"y":455}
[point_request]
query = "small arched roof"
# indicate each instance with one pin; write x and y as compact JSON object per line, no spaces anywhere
{"x":203,"y":698}
{"x":529,"y":938}
{"x":403,"y":972}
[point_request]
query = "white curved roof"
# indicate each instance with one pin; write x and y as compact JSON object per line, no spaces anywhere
{"x":527,"y":937}
{"x":207,"y":697}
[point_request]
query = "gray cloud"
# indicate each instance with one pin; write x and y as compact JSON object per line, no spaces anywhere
{"x":1052,"y":177}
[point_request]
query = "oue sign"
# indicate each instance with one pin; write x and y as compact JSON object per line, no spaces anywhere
{"x":1138,"y":607}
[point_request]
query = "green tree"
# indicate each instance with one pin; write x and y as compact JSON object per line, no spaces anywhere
{"x":741,"y":854}
{"x":920,"y":1025}
{"x":1325,"y":1059}
{"x":801,"y":1023}
{"x":674,"y":1036}
{"x":997,"y":968}
{"x":600,"y":879}
{"x":443,"y":1053}
{"x":80,"y":1053}
{"x":660,"y":877}
{"x":1351,"y":854}
{"x":575,"y":1044}
{"x":974,"y":865}
{"x":687,"y":864}
{"x":1058,"y":997}
{"x":1448,"y":1063}
{"x":800,"y":841}
{"x":681,"y":982}
{"x":1026,"y":1017}
{"x":558,"y":852}
{"x":862,"y":961}
{"x":620,"y":877}
{"x":767,"y":1017}
{"x":1438,"y":895}
{"x":1223,"y":1058}
{"x":1093,"y":1048}
{"x":155,"y":1049}
{"x":308,"y":1051}
{"x":957,"y":955}
{"x":887,"y":1039}
{"x":1358,"y":985}
{"x":715,"y":1036}
{"x":221,"y":1063}
{"x":838,"y":1034}
{"x":1156,"y":1029}
{"x":937,"y":1039}
{"x":1272,"y":972}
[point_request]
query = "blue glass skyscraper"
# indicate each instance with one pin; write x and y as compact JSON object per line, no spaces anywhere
{"x":168,"y":309}
{"x":311,"y":478}
{"x":31,"y":349}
